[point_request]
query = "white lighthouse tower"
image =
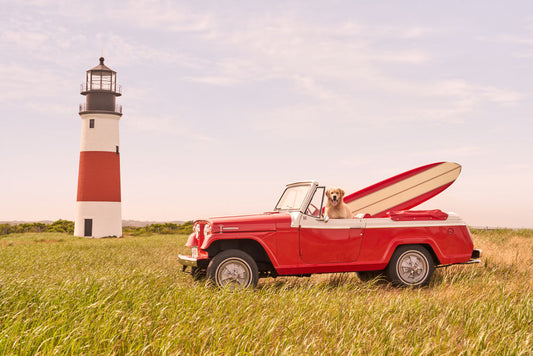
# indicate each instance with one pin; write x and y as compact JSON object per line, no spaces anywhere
{"x":98,"y":205}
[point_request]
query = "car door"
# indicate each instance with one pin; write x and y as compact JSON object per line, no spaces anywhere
{"x":335,"y":241}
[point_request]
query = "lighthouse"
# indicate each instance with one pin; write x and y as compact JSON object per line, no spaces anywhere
{"x":98,"y":203}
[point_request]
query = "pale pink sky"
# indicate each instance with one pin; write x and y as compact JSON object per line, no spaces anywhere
{"x":226,"y":102}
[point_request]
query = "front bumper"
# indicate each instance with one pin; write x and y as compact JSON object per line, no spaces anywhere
{"x":188,"y":261}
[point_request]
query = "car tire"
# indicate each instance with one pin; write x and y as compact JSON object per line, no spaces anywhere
{"x":366,"y":276}
{"x":233,"y":269}
{"x":410,"y":265}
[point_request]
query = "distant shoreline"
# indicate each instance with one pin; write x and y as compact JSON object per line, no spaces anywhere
{"x":125,"y":223}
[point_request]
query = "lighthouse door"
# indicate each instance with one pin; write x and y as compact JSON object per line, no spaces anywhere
{"x":88,"y":228}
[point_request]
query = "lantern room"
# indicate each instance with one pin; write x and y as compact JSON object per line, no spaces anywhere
{"x":100,"y":89}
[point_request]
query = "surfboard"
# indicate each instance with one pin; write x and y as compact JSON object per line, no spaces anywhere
{"x":403,"y":191}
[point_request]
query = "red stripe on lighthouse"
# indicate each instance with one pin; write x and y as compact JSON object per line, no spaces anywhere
{"x":99,"y":176}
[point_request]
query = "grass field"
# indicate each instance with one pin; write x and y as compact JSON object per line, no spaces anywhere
{"x":61,"y":294}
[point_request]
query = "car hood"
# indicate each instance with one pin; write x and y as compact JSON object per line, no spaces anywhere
{"x":248,"y":223}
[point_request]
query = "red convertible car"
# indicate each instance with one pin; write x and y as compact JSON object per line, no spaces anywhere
{"x":296,"y":240}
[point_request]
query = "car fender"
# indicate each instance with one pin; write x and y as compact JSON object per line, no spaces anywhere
{"x":425,"y":241}
{"x":192,"y":240}
{"x":266,"y":239}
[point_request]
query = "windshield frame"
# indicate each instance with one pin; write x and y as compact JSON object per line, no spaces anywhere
{"x":302,"y":198}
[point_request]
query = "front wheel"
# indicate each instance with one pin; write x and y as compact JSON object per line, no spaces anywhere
{"x":410,"y":266}
{"x":233,"y":269}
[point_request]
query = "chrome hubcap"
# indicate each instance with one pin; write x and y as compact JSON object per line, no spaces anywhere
{"x":412,"y":267}
{"x":233,"y":273}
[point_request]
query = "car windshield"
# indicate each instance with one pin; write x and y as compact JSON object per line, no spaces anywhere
{"x":293,"y":197}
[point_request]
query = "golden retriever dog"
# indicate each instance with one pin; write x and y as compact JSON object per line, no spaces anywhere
{"x":336,"y":208}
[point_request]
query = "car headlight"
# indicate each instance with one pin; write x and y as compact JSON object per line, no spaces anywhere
{"x":197,"y":230}
{"x":207,"y":230}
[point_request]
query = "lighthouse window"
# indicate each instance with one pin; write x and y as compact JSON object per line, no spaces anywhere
{"x":91,"y":123}
{"x":96,"y":81}
{"x":106,"y":81}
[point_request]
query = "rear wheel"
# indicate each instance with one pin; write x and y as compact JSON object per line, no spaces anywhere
{"x":233,"y":269}
{"x":410,"y":266}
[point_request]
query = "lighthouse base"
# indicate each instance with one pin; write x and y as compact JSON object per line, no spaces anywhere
{"x":98,"y":219}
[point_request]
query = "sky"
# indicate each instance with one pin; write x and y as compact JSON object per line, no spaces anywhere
{"x":225,"y":102}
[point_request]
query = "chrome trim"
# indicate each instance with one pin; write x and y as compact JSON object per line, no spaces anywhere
{"x":295,"y":218}
{"x":469,"y":262}
{"x":228,"y":228}
{"x":187,"y":261}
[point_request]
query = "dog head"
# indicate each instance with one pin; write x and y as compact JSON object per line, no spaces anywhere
{"x":335,"y":195}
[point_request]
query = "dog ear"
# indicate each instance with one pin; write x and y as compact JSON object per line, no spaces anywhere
{"x":342,"y":192}
{"x":328,"y":193}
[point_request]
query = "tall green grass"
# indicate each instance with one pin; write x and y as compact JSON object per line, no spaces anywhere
{"x":66,"y":295}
